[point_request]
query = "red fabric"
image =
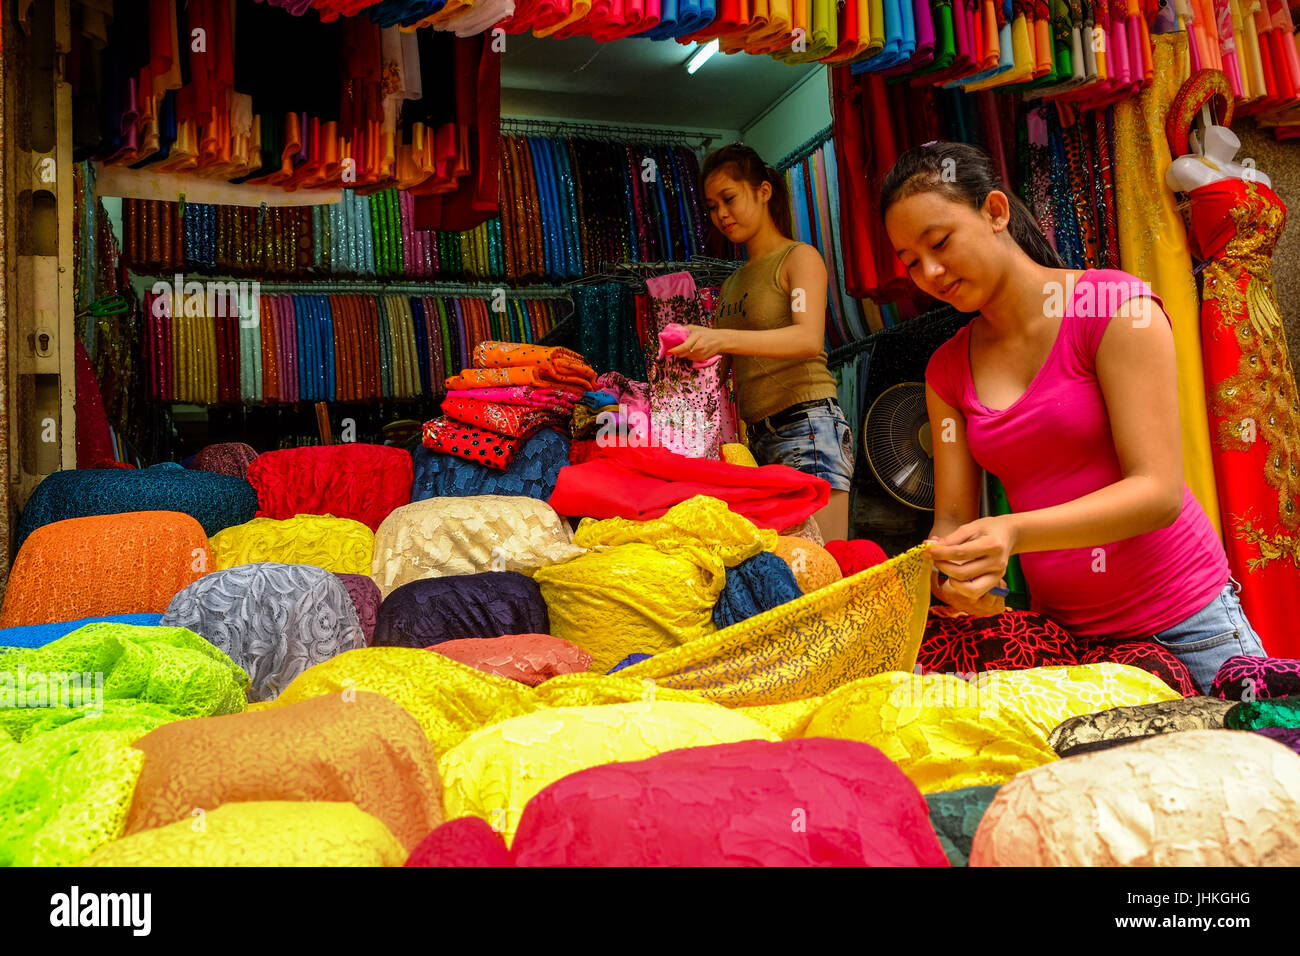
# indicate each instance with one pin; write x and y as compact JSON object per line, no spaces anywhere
{"x":1254,"y":478}
{"x":94,"y":442}
{"x":808,"y":802}
{"x":857,"y":555}
{"x":473,"y":444}
{"x":643,"y":483}
{"x":1018,"y":640}
{"x":527,"y":658}
{"x":362,"y":482}
{"x":513,"y":421}
{"x":465,"y":841}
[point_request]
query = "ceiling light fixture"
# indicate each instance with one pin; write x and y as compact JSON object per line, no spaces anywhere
{"x":702,"y":54}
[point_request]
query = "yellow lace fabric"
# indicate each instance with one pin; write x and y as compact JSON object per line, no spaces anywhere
{"x":1049,"y":696}
{"x":854,"y":628}
{"x":495,"y":772}
{"x":442,"y":536}
{"x":335,"y":544}
{"x":271,"y":833}
{"x":939,"y":731}
{"x":448,"y":699}
{"x":1197,"y":798}
{"x":104,"y":565}
{"x":738,"y":455}
{"x":647,"y":586}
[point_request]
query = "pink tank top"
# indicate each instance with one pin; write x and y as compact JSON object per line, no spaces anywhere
{"x":1053,"y":445}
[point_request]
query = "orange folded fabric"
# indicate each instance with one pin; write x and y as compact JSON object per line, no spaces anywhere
{"x":368,"y":751}
{"x":102,"y":565}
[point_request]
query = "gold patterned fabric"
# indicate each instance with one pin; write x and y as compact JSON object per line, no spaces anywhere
{"x":854,"y":628}
{"x":1254,"y":403}
{"x":335,"y":544}
{"x":647,"y":586}
{"x":442,"y":536}
{"x":812,"y":565}
{"x":1153,"y":246}
{"x":270,"y":833}
{"x":496,"y":771}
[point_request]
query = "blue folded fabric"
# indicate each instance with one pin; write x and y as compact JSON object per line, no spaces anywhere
{"x":532,"y":472}
{"x":488,"y":604}
{"x":628,"y":662}
{"x":754,"y":586}
{"x":214,"y":501}
{"x":38,"y":635}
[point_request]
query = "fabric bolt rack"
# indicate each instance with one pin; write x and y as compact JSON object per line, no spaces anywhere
{"x":334,"y":342}
{"x":812,"y":181}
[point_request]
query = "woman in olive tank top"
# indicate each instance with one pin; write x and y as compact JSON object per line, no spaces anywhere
{"x":771,"y":321}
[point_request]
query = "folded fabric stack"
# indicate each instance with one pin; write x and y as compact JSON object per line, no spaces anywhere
{"x":588,"y":420}
{"x":511,"y":392}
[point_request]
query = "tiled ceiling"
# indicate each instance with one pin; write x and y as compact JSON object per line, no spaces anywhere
{"x":639,"y":81}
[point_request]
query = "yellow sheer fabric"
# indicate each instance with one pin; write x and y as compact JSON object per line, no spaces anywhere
{"x":335,"y":544}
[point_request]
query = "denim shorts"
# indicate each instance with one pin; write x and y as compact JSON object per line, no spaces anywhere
{"x":813,"y":437}
{"x":1212,"y":635}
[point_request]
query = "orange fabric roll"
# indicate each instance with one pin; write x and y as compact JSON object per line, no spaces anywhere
{"x":368,"y":751}
{"x":103,"y":565}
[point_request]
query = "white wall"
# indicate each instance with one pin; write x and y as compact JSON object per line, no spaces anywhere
{"x":798,"y":116}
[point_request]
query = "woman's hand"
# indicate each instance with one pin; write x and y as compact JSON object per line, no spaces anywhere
{"x":975,"y":556}
{"x":701,"y":343}
{"x":987,"y":605}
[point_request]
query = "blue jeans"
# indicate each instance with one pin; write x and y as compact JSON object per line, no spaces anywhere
{"x":1212,"y":635}
{"x":816,"y":440}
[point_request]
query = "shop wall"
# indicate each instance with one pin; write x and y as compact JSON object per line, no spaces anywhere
{"x":798,"y":116}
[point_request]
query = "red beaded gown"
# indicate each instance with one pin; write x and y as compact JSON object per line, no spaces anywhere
{"x":1254,"y":408}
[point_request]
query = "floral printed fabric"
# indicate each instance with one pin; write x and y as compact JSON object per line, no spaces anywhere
{"x":687,"y":404}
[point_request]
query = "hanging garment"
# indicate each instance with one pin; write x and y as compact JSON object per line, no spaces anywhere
{"x":1254,"y":406}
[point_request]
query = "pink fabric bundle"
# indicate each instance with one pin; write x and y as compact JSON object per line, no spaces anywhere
{"x":806,"y":802}
{"x":674,"y":334}
{"x":532,"y":395}
{"x":465,"y":841}
{"x":527,"y":658}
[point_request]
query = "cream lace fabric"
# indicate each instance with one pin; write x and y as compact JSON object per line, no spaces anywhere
{"x":437,"y":537}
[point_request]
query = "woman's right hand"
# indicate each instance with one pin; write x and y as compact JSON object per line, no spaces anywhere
{"x":987,"y":605}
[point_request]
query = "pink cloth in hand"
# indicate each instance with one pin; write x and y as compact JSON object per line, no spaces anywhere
{"x":673,"y":335}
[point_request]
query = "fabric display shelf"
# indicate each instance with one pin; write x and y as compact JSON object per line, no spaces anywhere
{"x":569,"y":205}
{"x":333,"y":342}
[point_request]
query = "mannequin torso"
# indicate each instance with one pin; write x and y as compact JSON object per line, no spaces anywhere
{"x":1212,"y":163}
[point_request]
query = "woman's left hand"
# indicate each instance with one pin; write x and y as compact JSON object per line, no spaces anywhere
{"x":701,"y":343}
{"x":975,"y":556}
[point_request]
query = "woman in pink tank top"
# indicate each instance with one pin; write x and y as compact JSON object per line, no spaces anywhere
{"x":1063,"y":385}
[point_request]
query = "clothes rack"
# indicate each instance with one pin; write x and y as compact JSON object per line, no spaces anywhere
{"x":515,"y":126}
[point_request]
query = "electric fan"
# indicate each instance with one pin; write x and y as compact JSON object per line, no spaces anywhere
{"x":898,"y":447}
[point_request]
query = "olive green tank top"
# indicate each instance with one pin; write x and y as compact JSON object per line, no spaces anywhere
{"x":751,"y":298}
